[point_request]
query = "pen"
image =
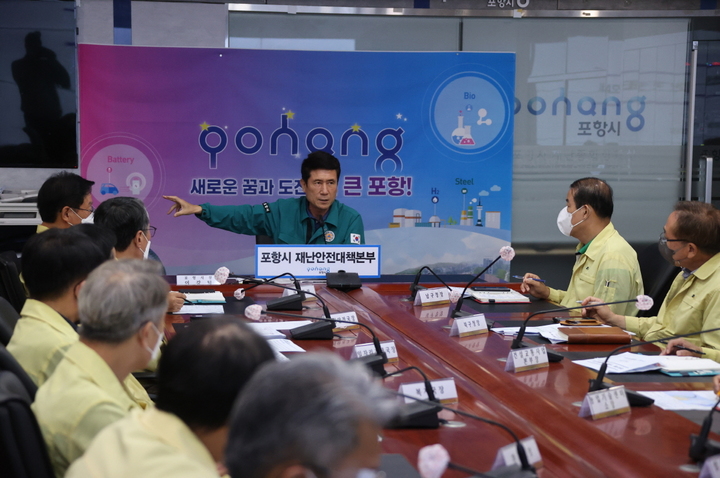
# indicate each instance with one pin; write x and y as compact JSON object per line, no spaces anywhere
{"x":523,"y":278}
{"x":681,"y":347}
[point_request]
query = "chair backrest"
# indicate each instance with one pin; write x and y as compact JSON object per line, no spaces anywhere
{"x":8,"y":319}
{"x":23,"y":453}
{"x":9,"y":364}
{"x":658,"y":275}
{"x":12,"y":288}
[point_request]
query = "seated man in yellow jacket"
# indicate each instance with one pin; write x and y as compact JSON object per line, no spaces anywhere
{"x":56,"y":263}
{"x":122,"y":310}
{"x":65,"y":200}
{"x":690,"y":240}
{"x":606,"y":266}
{"x":201,"y":372}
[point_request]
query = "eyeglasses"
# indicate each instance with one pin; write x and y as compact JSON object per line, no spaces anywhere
{"x":152,"y":230}
{"x":91,"y":210}
{"x":664,"y":240}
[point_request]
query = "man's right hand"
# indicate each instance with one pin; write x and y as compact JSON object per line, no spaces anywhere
{"x":601,"y":313}
{"x":535,"y":288}
{"x":182,"y":207}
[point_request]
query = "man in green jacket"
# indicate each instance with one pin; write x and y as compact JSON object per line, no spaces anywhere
{"x":316,"y":218}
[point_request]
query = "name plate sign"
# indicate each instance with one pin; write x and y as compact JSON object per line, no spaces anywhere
{"x":508,"y":455}
{"x":388,"y":346}
{"x":605,"y":403}
{"x":443,"y":388}
{"x":314,"y":261}
{"x":470,"y":325}
{"x":305,"y":288}
{"x":711,"y":467}
{"x":346,"y":316}
{"x":530,"y":358}
{"x":198,"y":279}
{"x":436,"y":296}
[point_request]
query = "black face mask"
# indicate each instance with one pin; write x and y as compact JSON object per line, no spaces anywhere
{"x":666,"y":252}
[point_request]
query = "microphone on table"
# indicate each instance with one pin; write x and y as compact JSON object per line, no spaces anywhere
{"x":290,"y":302}
{"x":417,"y":414}
{"x":524,"y":470}
{"x":643,"y":302}
{"x":323,"y":330}
{"x":415,"y":287}
{"x":635,"y":399}
{"x":507,"y":253}
{"x":701,"y":448}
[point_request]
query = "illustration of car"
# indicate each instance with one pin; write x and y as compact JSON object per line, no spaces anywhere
{"x":108,"y":188}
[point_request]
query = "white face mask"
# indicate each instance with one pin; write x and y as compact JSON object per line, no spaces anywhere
{"x":88,"y":220}
{"x":146,"y":252}
{"x":155,"y":352}
{"x":564,"y":220}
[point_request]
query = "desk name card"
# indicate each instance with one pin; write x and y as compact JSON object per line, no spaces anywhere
{"x":387,"y":346}
{"x":443,"y":388}
{"x":530,"y":358}
{"x":314,"y":261}
{"x":711,"y":468}
{"x":508,"y":455}
{"x":350,"y":316}
{"x":470,"y":325}
{"x":605,"y":403}
{"x":305,"y":288}
{"x":435,"y":296}
{"x":196,"y":280}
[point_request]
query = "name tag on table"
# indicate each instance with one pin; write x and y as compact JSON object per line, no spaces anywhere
{"x":443,"y":388}
{"x":388,"y":346}
{"x":605,"y":403}
{"x":520,"y":360}
{"x":470,"y":325}
{"x":436,"y":296}
{"x":508,"y":455}
{"x":196,"y":280}
{"x":347,"y":316}
{"x":305,"y":288}
{"x":314,"y":261}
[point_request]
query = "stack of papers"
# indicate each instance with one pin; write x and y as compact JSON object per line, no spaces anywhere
{"x":205,"y":298}
{"x":683,"y":400}
{"x":499,"y":297}
{"x":631,"y":363}
{"x":201,"y":309}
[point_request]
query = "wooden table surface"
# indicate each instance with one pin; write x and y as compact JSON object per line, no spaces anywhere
{"x":543,"y":403}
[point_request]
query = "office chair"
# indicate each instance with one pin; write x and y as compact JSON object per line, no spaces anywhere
{"x":12,"y":289}
{"x":657,"y":275}
{"x":8,"y":319}
{"x":9,"y":364}
{"x":22,"y":449}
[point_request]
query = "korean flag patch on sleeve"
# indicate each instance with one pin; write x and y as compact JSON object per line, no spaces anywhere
{"x":354,"y":238}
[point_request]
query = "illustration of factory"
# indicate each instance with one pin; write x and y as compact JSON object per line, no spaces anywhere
{"x":472,"y":216}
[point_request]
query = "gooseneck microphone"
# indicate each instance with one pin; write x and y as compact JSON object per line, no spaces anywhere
{"x":415,"y":287}
{"x":701,"y":448}
{"x":417,"y":414}
{"x":641,"y":301}
{"x":525,"y":470}
{"x":635,"y":399}
{"x":506,"y":253}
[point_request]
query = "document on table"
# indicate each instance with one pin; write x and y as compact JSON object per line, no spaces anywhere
{"x":205,"y":297}
{"x":514,"y":330}
{"x":630,"y":363}
{"x":284,"y":345}
{"x":499,"y":297}
{"x":201,"y":309}
{"x":683,"y":399}
{"x":271,"y":330}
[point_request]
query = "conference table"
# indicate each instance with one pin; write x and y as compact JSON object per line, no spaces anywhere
{"x":542,"y":403}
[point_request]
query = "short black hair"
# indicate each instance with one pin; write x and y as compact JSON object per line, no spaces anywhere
{"x":103,"y":237}
{"x":204,"y":367}
{"x":699,"y":223}
{"x":319,"y":160}
{"x":54,"y":260}
{"x":593,"y":192}
{"x":60,"y":190}
{"x":124,"y":216}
